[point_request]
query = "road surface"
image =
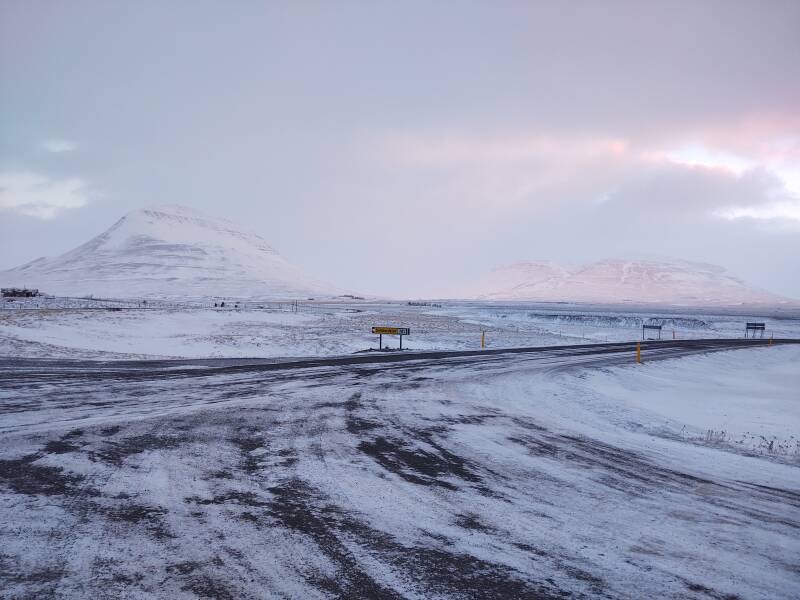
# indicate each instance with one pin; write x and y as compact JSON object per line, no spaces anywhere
{"x":397,"y":475}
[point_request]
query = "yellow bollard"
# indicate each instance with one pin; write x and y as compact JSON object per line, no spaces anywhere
{"x":673,"y":334}
{"x":483,"y":340}
{"x":770,"y":340}
{"x":638,"y":352}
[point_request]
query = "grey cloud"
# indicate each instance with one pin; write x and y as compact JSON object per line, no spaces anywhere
{"x":267,"y":113}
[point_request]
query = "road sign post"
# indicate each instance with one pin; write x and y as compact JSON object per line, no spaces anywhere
{"x":645,"y":328}
{"x":381,"y":331}
{"x":750,"y":329}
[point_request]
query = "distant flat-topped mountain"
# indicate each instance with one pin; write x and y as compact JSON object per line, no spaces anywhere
{"x":170,"y":251}
{"x":671,"y":282}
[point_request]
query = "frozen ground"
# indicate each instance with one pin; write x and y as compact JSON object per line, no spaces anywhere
{"x":538,"y":476}
{"x":92,"y":329}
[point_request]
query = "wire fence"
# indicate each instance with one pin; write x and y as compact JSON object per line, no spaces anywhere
{"x":92,"y":303}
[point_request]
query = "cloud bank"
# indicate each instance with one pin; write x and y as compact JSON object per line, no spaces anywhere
{"x":57,"y":146}
{"x":39,"y":196}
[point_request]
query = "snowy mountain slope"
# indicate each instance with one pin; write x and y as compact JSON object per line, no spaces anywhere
{"x":170,"y":251}
{"x":519,"y":279}
{"x":646,"y":281}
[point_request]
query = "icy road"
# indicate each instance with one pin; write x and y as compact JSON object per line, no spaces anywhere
{"x":416,"y":475}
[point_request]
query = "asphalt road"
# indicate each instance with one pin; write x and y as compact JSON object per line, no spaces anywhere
{"x":25,"y":370}
{"x":39,"y":394}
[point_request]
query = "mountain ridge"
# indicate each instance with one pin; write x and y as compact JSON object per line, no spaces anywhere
{"x":647,"y":281}
{"x":170,"y":251}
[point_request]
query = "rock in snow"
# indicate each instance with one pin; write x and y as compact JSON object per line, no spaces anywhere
{"x":614,"y":281}
{"x":170,"y":251}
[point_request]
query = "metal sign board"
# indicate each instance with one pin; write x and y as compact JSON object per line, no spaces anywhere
{"x":391,"y":331}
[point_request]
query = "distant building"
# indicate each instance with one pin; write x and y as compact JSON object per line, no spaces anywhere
{"x":19,"y":292}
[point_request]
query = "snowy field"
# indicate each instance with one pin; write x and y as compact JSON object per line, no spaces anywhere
{"x":86,"y":329}
{"x":541,"y":476}
{"x":513,"y":478}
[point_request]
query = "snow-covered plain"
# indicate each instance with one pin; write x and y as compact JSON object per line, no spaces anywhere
{"x":466,"y":480}
{"x":320,"y":329}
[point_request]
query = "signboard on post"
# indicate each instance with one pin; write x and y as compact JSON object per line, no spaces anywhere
{"x":752,"y":328}
{"x":381,"y":331}
{"x":391,"y":330}
{"x":653,"y":328}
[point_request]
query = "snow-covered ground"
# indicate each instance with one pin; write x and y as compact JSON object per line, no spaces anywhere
{"x":504,"y":479}
{"x":320,"y":329}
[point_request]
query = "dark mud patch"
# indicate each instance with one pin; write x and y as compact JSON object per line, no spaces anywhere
{"x":288,"y":457}
{"x":184,"y":568}
{"x":150,"y":517}
{"x":354,"y":423}
{"x":620,"y":469}
{"x":632,"y":474}
{"x":23,"y":476}
{"x":536,"y":446}
{"x":777,"y":495}
{"x":418,"y":465}
{"x":59,"y":447}
{"x":115,"y":453}
{"x":460,"y":575}
{"x":469,"y":419}
{"x":113,"y":430}
{"x":249,"y":517}
{"x":38,"y":577}
{"x":629,"y":465}
{"x":432,"y":572}
{"x":247,"y":443}
{"x":595,"y":583}
{"x":357,"y":425}
{"x":353,"y":403}
{"x":706,"y":591}
{"x":472,"y":522}
{"x":124,"y":579}
{"x":438,"y":537}
{"x":527,"y":548}
{"x":206,"y":587}
{"x":293,"y":507}
{"x":525,"y":423}
{"x":231,"y":497}
{"x":329,"y":404}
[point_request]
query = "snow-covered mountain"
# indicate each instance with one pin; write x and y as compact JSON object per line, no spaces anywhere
{"x":170,"y":251}
{"x":671,"y":282}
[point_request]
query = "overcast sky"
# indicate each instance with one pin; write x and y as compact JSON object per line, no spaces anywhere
{"x":395,"y":147}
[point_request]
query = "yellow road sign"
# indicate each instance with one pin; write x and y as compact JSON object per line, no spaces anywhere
{"x":391,"y":330}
